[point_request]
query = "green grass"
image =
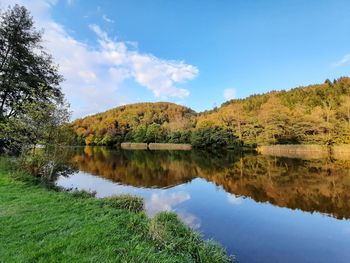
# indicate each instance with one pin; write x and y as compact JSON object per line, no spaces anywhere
{"x":42,"y":225}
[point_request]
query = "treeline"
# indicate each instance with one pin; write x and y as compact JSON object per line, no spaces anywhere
{"x":316,"y":114}
{"x":150,"y":122}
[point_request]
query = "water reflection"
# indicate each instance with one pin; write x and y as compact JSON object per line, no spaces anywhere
{"x":262,"y":209}
{"x":234,"y":200}
{"x":321,"y":185}
{"x":136,"y":168}
{"x":163,"y":201}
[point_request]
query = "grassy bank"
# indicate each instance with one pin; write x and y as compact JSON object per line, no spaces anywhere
{"x":41,"y":225}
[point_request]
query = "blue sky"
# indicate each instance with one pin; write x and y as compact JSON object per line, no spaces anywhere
{"x":196,"y":53}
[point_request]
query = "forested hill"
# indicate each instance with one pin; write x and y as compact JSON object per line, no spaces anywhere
{"x":314,"y":114}
{"x":141,"y":122}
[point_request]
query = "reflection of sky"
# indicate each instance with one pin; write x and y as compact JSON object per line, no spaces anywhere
{"x":164,"y":201}
{"x":102,"y":187}
{"x":168,"y":200}
{"x":189,"y":219}
{"x":156,"y":200}
{"x":234,"y":200}
{"x":255,"y":232}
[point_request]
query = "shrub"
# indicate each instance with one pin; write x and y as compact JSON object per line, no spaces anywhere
{"x":82,"y":193}
{"x":169,"y":233}
{"x":213,"y":138}
{"x":127,"y":202}
{"x":46,"y":164}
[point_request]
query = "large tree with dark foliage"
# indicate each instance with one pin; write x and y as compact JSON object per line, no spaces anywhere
{"x":27,"y":71}
{"x":31,"y":101}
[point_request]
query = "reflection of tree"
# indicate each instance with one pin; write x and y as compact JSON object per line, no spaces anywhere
{"x":137,"y":168}
{"x":314,"y":186}
{"x":310,"y":185}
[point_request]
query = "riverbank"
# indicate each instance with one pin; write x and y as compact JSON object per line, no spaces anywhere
{"x":38,"y":224}
{"x":156,"y":146}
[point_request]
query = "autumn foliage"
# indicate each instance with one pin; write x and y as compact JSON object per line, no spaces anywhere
{"x":316,"y":114}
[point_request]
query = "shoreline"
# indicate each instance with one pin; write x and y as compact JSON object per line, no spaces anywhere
{"x":306,"y":151}
{"x":54,"y":225}
{"x":156,"y":146}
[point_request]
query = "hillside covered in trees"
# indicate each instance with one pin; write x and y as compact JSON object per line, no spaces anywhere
{"x":143,"y":122}
{"x":316,"y":114}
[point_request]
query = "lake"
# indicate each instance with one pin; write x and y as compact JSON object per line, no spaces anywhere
{"x":260,"y":208}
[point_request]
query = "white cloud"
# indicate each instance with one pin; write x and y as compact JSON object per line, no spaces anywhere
{"x":229,"y":94}
{"x":118,"y":75}
{"x":87,"y":75}
{"x":344,"y":60}
{"x":107,"y":19}
{"x":94,"y":75}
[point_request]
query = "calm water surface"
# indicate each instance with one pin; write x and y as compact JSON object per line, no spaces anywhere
{"x":262,"y":209}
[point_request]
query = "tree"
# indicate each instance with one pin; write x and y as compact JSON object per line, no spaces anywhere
{"x":317,"y":113}
{"x":27,"y":71}
{"x":345,"y":109}
{"x":174,"y":137}
{"x":234,"y":118}
{"x":154,"y":133}
{"x":201,"y":138}
{"x":275,"y":118}
{"x":35,"y":126}
{"x":140,"y":133}
{"x":215,"y":137}
{"x":32,"y":104}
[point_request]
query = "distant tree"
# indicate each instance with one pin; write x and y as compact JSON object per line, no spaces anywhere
{"x":200,"y":138}
{"x":317,"y":113}
{"x":154,"y":133}
{"x":139,"y":134}
{"x":215,"y":137}
{"x":174,"y":137}
{"x":185,"y":137}
{"x":345,"y":109}
{"x":89,"y":140}
{"x":275,"y":119}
